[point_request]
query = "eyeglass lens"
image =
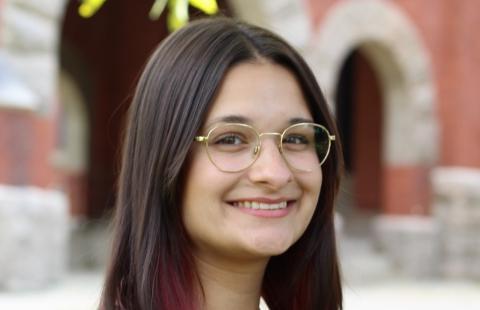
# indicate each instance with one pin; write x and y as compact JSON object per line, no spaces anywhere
{"x":232,"y":147}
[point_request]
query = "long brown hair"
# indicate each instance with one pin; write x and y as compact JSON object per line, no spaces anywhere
{"x":151,"y":265}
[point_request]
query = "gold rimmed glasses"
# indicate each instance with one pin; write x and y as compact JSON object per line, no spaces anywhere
{"x":233,"y":147}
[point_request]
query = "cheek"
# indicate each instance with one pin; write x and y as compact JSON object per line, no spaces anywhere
{"x":197,"y":179}
{"x":194,"y":186}
{"x":203,"y":181}
{"x":312,"y":188}
{"x":312,"y":184}
{"x":205,"y":187}
{"x":318,"y":184}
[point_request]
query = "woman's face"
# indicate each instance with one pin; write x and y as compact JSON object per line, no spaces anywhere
{"x":217,"y":206}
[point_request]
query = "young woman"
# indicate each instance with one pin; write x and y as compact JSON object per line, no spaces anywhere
{"x":229,"y":174}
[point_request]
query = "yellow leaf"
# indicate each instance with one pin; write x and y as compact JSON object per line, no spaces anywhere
{"x":179,"y":8}
{"x":89,"y":7}
{"x":209,"y":7}
{"x":157,"y":9}
{"x":174,"y":23}
{"x":178,"y":15}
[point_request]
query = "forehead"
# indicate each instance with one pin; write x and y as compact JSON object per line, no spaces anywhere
{"x":265,"y":93}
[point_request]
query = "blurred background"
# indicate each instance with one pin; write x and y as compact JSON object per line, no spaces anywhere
{"x":401,"y":78}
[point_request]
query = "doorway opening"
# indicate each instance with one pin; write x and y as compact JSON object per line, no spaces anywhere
{"x":359,"y":111}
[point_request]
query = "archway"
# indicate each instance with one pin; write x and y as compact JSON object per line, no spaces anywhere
{"x":359,"y":117}
{"x":112,"y":54}
{"x":71,"y":154}
{"x":397,"y":54}
{"x":108,"y":57}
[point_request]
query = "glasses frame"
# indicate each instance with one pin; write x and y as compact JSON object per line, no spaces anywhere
{"x":258,"y":146}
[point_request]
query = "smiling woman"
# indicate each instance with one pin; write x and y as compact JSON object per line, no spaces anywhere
{"x":229,"y":175}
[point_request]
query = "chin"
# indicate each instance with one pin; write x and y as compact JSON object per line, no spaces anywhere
{"x":268,"y":247}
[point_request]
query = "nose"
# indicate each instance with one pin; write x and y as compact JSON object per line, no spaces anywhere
{"x":270,"y":169}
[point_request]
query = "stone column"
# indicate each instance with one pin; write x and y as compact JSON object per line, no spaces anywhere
{"x":33,"y":214}
{"x":411,"y":242}
{"x":33,"y":237}
{"x":457,"y":209}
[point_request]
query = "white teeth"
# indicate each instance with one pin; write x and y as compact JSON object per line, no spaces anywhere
{"x":260,"y":205}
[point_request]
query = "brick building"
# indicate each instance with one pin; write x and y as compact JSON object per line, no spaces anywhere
{"x":400,"y":76}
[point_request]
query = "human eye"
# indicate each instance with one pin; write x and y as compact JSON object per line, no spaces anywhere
{"x":230,"y":142}
{"x":296,"y":142}
{"x":230,"y":139}
{"x":297,"y":139}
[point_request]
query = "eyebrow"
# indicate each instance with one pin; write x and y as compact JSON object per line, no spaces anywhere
{"x":229,"y":119}
{"x":232,"y":119}
{"x":245,"y":120}
{"x":297,"y":120}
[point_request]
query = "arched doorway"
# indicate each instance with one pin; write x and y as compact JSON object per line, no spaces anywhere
{"x":110,"y":50}
{"x":359,"y":111}
{"x":105,"y":54}
{"x":407,"y":92}
{"x":71,"y":155}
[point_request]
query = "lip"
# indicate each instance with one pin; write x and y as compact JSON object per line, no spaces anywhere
{"x":265,"y":213}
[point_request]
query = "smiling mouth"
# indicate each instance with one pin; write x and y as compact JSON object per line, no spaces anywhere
{"x":255,"y":205}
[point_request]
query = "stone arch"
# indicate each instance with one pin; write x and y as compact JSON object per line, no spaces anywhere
{"x":72,"y":147}
{"x":388,"y":38}
{"x":72,"y":142}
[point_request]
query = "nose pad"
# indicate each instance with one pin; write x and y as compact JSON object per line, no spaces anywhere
{"x":257,"y":147}
{"x":271,"y":169}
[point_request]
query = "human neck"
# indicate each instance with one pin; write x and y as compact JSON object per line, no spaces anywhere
{"x":228,"y":285}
